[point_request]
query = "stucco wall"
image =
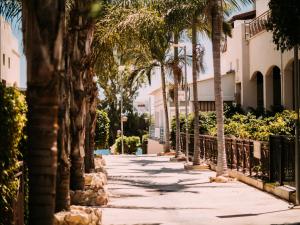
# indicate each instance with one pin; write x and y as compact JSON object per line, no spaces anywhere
{"x":9,"y":48}
{"x":261,"y":6}
{"x":263,"y":56}
{"x":206,"y":88}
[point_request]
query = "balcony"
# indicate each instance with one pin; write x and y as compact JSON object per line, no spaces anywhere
{"x":257,"y":25}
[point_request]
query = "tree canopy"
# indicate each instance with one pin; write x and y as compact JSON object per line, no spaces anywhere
{"x":284,"y":23}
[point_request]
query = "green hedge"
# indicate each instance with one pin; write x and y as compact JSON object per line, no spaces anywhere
{"x":130,"y":144}
{"x":102,"y":130}
{"x":13,"y":110}
{"x":247,"y":126}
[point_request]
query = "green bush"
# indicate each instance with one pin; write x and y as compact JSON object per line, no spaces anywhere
{"x":250,"y":127}
{"x":130,"y":144}
{"x":245,"y":126}
{"x":173,"y":129}
{"x":13,"y":110}
{"x":102,"y":130}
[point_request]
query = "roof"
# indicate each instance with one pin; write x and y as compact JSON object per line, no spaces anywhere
{"x":244,"y":16}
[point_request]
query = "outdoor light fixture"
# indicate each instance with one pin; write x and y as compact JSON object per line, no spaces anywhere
{"x":181,"y":45}
{"x":121,"y":69}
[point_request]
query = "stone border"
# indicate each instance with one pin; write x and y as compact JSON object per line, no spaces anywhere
{"x":284,"y":192}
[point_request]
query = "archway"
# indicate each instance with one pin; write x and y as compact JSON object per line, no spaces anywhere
{"x":273,"y":88}
{"x":258,"y":82}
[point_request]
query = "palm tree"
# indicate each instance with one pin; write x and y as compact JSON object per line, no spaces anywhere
{"x":216,"y":17}
{"x":45,"y":44}
{"x":177,"y":78}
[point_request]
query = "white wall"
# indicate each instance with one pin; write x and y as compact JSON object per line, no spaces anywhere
{"x":206,"y":88}
{"x":232,"y":58}
{"x":261,"y":6}
{"x":9,"y":51}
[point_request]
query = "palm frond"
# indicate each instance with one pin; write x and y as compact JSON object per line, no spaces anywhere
{"x":11,"y":9}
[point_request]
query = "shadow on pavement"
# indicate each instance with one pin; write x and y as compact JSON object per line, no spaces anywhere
{"x":150,"y":207}
{"x":251,"y":214}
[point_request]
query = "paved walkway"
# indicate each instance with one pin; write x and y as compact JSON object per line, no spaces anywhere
{"x":150,"y":190}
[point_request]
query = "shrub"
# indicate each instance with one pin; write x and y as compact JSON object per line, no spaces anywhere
{"x":232,"y":109}
{"x":102,"y":130}
{"x":250,"y":127}
{"x":13,"y":110}
{"x":173,"y":129}
{"x":130,"y":144}
{"x":245,"y":126}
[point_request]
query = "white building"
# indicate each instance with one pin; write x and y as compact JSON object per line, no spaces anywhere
{"x":141,"y":106}
{"x":9,"y":55}
{"x":263,"y":75}
{"x":206,"y":99}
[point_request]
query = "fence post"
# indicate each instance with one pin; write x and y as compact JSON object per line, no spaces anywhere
{"x":231,"y":154}
{"x":281,"y":166}
{"x":237,"y":155}
{"x":250,"y":157}
{"x":244,"y":157}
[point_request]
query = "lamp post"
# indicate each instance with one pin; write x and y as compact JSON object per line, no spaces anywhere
{"x":186,"y":100}
{"x":121,"y":70}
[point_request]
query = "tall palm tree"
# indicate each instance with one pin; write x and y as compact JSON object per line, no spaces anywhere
{"x":216,"y":16}
{"x":216,"y":20}
{"x":196,"y":158}
{"x":177,"y":79}
{"x":45,"y":44}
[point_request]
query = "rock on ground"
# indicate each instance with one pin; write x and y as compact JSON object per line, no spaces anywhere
{"x":79,"y":215}
{"x":95,"y":181}
{"x":89,"y":197}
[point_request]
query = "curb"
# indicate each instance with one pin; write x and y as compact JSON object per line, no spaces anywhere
{"x":284,"y":192}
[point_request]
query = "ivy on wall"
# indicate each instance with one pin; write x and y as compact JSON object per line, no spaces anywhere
{"x":13,"y":110}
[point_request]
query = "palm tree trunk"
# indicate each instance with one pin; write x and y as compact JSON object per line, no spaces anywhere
{"x":43,"y":46}
{"x":91,"y":92}
{"x":64,"y":137}
{"x":176,"y":72}
{"x":216,"y":44}
{"x":63,"y":145}
{"x":196,"y":159}
{"x":167,"y":131}
{"x":80,"y":60}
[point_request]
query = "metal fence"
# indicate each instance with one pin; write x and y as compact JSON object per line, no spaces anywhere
{"x":18,"y":203}
{"x":272,"y":161}
{"x":282,"y":159}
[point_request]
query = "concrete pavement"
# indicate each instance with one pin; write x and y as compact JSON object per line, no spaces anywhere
{"x":150,"y":190}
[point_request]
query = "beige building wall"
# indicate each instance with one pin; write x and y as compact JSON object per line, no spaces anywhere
{"x":206,"y":88}
{"x":261,"y":6}
{"x":9,"y":54}
{"x":246,"y":57}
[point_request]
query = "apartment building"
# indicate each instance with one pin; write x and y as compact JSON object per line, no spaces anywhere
{"x":9,"y":55}
{"x":263,"y":74}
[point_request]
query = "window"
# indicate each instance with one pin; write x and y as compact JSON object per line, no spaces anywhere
{"x":3,"y":59}
{"x":8,"y":62}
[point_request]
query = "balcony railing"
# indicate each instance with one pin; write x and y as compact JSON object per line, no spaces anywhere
{"x":257,"y":25}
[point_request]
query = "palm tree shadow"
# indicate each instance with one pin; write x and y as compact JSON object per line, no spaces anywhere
{"x":253,"y":214}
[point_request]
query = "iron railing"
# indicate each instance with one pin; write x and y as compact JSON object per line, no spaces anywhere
{"x":282,"y":159}
{"x":256,"y":25}
{"x":272,"y":161}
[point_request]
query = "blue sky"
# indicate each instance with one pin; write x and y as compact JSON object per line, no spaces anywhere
{"x":16,"y":27}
